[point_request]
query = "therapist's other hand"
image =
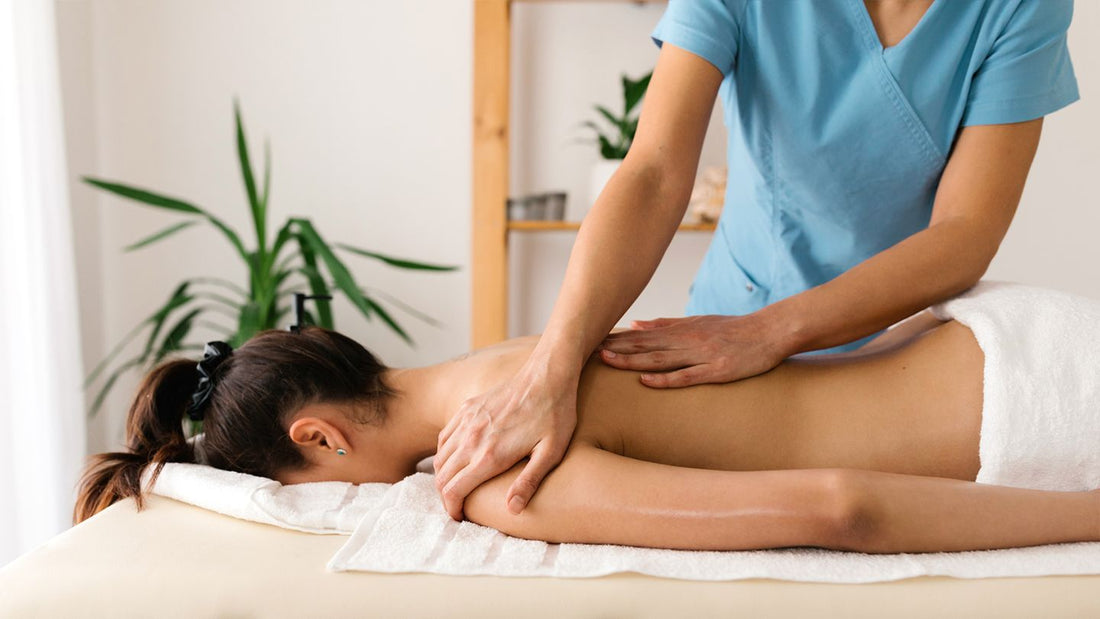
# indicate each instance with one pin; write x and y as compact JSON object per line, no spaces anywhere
{"x":680,"y":352}
{"x":533,"y":415}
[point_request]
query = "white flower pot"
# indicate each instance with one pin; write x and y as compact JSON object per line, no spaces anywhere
{"x":601,"y":172}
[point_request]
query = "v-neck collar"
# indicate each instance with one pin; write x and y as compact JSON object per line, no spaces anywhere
{"x":871,"y":34}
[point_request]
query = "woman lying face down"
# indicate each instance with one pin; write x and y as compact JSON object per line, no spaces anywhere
{"x":873,"y":451}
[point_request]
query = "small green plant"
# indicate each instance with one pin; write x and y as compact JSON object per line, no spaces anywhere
{"x":615,"y":143}
{"x":295,"y":256}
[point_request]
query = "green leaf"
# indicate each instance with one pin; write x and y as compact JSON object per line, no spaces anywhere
{"x":258,"y":216}
{"x":408,"y":309}
{"x":317,"y":285}
{"x":634,"y":91}
{"x":308,"y":318}
{"x":609,"y":150}
{"x":178,"y":298}
{"x":631,"y":129}
{"x":598,"y":130}
{"x":231,"y":235}
{"x":386,"y":318}
{"x":153,"y":238}
{"x":145,"y":196}
{"x":174,"y":340}
{"x":617,"y":122}
{"x":340,"y":274}
{"x":401,"y":263}
{"x":284,"y":234}
{"x":110,"y":382}
{"x":281,"y":313}
{"x":223,"y":332}
{"x":224,"y":283}
{"x":249,"y":324}
{"x":172,"y":204}
{"x":280,"y":278}
{"x":102,"y":365}
{"x":217,"y":298}
{"x":267,"y":175}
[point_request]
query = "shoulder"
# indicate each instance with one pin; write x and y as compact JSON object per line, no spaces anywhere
{"x":485,"y":367}
{"x":1034,"y":17}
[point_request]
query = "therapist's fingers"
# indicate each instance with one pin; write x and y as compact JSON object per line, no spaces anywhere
{"x":452,"y":424}
{"x":543,"y":460}
{"x":449,"y":464}
{"x":445,"y":444}
{"x":630,"y":342}
{"x":686,"y":377}
{"x":655,"y":323}
{"x":443,"y":454}
{"x":465,"y":481}
{"x":657,"y":360}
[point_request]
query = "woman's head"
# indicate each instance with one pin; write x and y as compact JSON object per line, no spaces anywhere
{"x":257,"y":390}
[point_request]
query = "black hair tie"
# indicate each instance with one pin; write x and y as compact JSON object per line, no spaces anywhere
{"x":212,"y":356}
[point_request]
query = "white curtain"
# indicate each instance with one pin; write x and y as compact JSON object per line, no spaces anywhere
{"x":41,"y":404}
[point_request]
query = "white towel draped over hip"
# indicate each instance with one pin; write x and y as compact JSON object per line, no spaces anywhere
{"x":1041,"y":410}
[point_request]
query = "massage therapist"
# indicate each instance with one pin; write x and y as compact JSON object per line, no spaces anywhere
{"x":877,"y":152}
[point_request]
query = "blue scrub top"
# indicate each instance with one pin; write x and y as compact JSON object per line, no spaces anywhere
{"x":836,"y":145}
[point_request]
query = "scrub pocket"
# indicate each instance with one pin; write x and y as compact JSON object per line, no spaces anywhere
{"x":722,"y":286}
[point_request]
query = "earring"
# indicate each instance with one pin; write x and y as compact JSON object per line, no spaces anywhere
{"x":341,"y":452}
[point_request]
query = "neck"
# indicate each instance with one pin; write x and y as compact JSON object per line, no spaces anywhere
{"x":418,"y":411}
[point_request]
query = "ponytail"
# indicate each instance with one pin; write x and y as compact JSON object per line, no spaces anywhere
{"x":245,"y":401}
{"x":154,"y":435}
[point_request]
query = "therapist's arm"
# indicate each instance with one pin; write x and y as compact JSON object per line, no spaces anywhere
{"x":616,"y":252}
{"x":974,"y":206}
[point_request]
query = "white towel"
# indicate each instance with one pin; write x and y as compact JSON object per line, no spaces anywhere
{"x":1039,"y":430}
{"x":404,"y":528}
{"x":325,"y":507}
{"x":1041,"y":411}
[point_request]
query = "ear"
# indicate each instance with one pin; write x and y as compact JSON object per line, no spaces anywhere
{"x":312,"y":432}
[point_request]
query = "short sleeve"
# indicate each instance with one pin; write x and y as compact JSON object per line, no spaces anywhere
{"x":706,"y":28}
{"x":1027,"y":73}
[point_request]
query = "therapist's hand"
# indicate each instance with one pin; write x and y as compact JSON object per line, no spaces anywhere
{"x":679,"y":352}
{"x":533,"y":414}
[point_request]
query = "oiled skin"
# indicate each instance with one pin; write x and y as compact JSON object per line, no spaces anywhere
{"x":874,"y":451}
{"x":915,"y":409}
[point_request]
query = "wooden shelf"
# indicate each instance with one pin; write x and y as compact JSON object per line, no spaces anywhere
{"x":539,"y":226}
{"x":591,"y":1}
{"x":491,"y":133}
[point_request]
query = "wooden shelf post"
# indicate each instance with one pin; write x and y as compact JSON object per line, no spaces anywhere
{"x":489,"y":274}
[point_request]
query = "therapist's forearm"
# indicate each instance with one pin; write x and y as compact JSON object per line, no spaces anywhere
{"x":975,"y":203}
{"x":617,"y":250}
{"x":928,"y":267}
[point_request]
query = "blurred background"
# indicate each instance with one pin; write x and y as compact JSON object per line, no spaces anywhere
{"x":367,"y":105}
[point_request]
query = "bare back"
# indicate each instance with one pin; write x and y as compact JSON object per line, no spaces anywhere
{"x":913,"y":409}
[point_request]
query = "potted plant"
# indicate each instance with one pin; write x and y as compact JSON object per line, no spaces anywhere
{"x":616,"y":139}
{"x":294,"y":256}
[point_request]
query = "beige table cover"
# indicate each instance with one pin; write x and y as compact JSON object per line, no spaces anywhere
{"x":176,"y":560}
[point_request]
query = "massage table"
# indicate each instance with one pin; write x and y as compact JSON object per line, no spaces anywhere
{"x":177,"y":560}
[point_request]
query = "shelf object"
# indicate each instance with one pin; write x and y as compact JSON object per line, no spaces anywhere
{"x":489,"y":271}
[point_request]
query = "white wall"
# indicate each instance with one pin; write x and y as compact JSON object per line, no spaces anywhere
{"x":566,"y":58}
{"x":367,"y":105}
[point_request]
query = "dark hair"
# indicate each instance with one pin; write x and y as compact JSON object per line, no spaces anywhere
{"x":257,"y":388}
